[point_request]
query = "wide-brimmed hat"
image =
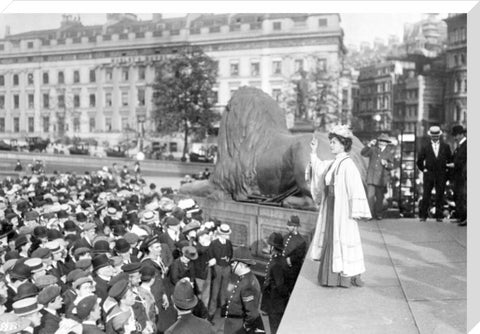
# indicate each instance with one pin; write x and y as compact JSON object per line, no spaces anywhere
{"x":11,"y":323}
{"x":434,"y":131}
{"x":457,"y":130}
{"x":276,"y":240}
{"x":243,"y":254}
{"x":184,"y":296}
{"x":224,"y":229}
{"x":383,"y":137}
{"x":190,"y":252}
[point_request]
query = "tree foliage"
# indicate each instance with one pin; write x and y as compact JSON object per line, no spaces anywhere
{"x":183,"y":94}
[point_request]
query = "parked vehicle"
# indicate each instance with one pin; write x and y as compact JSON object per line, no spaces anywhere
{"x":98,"y":151}
{"x":57,"y":148}
{"x":37,"y":144}
{"x":80,"y":148}
{"x":116,"y":151}
{"x":202,"y":153}
{"x":4,"y":146}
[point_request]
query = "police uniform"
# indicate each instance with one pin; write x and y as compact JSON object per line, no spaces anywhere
{"x":241,"y":310}
{"x":295,"y":248}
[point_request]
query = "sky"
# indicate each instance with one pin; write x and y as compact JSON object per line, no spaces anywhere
{"x":358,"y":27}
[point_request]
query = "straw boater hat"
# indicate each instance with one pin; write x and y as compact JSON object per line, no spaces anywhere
{"x":26,"y":306}
{"x":11,"y":323}
{"x":434,"y":131}
{"x":224,"y":229}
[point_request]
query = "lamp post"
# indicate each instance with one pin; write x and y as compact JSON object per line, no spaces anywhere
{"x":377,"y":118}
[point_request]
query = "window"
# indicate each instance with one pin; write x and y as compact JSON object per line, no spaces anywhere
{"x":2,"y":101}
{"x":91,"y":124}
{"x":61,"y":77}
{"x":2,"y":124}
{"x":45,"y":77}
{"x":124,"y":99}
{"x":76,"y":76}
{"x":30,"y":45}
{"x":277,"y":67}
{"x":141,"y":73}
{"x":345,"y":97}
{"x":16,"y":124}
{"x":322,"y":65}
{"x":31,"y":125}
{"x":277,"y":25}
{"x":92,"y":100}
{"x":298,"y":65}
{"x":125,"y":125}
{"x":15,"y":79}
{"x":276,"y":94}
{"x":30,"y":78}
{"x":108,"y":99}
{"x":322,"y":22}
{"x":214,"y":97}
{"x":465,"y":85}
{"x":46,"y":124}
{"x":31,"y":101}
{"x":46,"y":101}
{"x":2,"y":80}
{"x":76,"y":100}
{"x":2,"y":47}
{"x":463,"y":59}
{"x":455,"y":60}
{"x":234,"y":69}
{"x":173,"y":147}
{"x":108,"y":75}
{"x":76,"y":124}
{"x":92,"y":76}
{"x":108,"y":123}
{"x":61,"y":101}
{"x":255,"y":69}
{"x":141,"y":97}
{"x":125,"y":74}
{"x":16,"y":101}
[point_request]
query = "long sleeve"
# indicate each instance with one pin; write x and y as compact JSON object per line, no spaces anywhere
{"x":319,"y":168}
{"x":358,"y":202}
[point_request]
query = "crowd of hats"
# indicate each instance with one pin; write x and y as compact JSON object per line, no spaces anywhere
{"x":50,"y":214}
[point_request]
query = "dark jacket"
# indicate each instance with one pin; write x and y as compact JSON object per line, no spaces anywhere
{"x":295,"y":248}
{"x":435,"y":166}
{"x":179,"y":270}
{"x":377,"y":174}
{"x":49,"y":323}
{"x":91,"y":329}
{"x":460,"y":161}
{"x":190,"y":324}
{"x":275,"y":290}
{"x":222,"y":253}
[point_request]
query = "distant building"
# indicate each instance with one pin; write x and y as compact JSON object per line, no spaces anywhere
{"x":456,"y":85}
{"x":426,"y":37}
{"x":375,"y":97}
{"x":96,"y":81}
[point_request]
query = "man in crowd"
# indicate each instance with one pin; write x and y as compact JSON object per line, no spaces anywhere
{"x":459,"y":165}
{"x":378,"y":173}
{"x":294,"y":251}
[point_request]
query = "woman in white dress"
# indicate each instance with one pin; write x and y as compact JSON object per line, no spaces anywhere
{"x":338,"y":191}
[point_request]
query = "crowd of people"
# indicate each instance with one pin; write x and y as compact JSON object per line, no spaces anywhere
{"x":102,"y":252}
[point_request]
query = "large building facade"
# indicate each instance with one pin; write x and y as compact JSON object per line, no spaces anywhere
{"x":96,"y":81}
{"x":456,"y":60}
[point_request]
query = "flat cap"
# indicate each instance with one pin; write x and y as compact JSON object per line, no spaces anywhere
{"x":118,"y":290}
{"x":48,"y":294}
{"x":45,"y":281}
{"x":85,"y":306}
{"x":83,"y":264}
{"x":42,"y":253}
{"x":131,"y":268}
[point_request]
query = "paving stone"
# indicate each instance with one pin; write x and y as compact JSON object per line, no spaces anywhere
{"x":419,"y":253}
{"x":440,"y":316}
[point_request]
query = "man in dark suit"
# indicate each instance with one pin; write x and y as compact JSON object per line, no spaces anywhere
{"x":379,"y":164}
{"x":460,"y":174}
{"x":51,"y":299}
{"x":294,"y":251}
{"x":432,"y":160}
{"x":88,"y":311}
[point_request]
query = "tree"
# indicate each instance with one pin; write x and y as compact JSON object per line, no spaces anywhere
{"x":183,"y":94}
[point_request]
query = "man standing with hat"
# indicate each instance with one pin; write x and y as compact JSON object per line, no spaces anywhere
{"x":28,"y":308}
{"x":275,"y":291}
{"x":241,"y":308}
{"x":379,"y":164}
{"x":88,"y":311}
{"x":294,"y":251}
{"x":220,"y":252}
{"x":432,"y":161}
{"x":51,"y":300}
{"x":185,"y":300}
{"x":460,"y":174}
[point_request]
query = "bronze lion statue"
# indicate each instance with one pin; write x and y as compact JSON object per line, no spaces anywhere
{"x":259,"y":157}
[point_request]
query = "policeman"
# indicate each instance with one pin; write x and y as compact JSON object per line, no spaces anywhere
{"x":294,"y":251}
{"x":275,"y":291}
{"x":241,"y":308}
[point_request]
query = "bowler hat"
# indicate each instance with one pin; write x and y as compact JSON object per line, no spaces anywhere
{"x":276,"y":240}
{"x":85,"y":306}
{"x":54,"y":234}
{"x":40,"y":232}
{"x":62,"y":214}
{"x":81,"y":217}
{"x":101,"y":247}
{"x":243,"y":254}
{"x":100,"y":261}
{"x":457,"y":130}
{"x":171,"y":221}
{"x":70,"y":226}
{"x":26,"y":290}
{"x":183,"y":295}
{"x":434,"y":131}
{"x":20,"y":241}
{"x":121,"y":246}
{"x":131,"y":268}
{"x":147,"y":272}
{"x":293,"y":221}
